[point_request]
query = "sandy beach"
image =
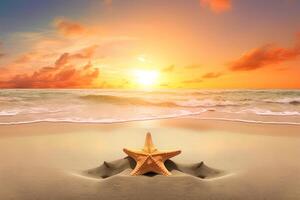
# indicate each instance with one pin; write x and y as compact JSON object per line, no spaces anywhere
{"x":149,"y":100}
{"x":51,"y":160}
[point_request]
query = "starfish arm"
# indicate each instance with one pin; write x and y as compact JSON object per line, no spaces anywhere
{"x":165,"y":170}
{"x":167,"y":154}
{"x":138,"y":170}
{"x":162,"y":169}
{"x":133,"y":154}
{"x":149,"y":146}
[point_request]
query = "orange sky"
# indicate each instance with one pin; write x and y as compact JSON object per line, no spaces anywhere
{"x":189,"y":44}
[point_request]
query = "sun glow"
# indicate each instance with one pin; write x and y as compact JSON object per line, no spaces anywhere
{"x":146,"y":78}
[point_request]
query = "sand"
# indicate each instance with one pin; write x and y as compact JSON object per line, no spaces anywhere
{"x":219,"y":160}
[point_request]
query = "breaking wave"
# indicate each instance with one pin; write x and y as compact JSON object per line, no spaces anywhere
{"x":113,"y":106}
{"x":292,"y":101}
{"x":25,"y":111}
{"x":258,"y":111}
{"x":104,"y":121}
{"x":121,"y":100}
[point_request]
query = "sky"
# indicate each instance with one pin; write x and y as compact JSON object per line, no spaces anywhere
{"x":133,"y":44}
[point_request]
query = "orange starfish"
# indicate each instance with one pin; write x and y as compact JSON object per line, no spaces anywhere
{"x":149,"y":159}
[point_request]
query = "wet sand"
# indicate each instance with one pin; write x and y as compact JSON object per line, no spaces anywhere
{"x":51,"y":160}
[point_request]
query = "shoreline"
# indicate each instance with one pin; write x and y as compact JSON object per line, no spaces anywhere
{"x":230,"y":126}
{"x":248,"y":121}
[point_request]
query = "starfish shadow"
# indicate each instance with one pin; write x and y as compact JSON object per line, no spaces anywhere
{"x":125,"y":165}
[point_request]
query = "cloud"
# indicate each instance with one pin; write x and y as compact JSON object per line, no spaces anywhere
{"x":62,"y":74}
{"x":212,"y":75}
{"x":217,"y":6}
{"x":86,"y":53}
{"x":264,"y":56}
{"x":171,"y":68}
{"x":47,"y":48}
{"x":69,"y":28}
{"x":36,"y":56}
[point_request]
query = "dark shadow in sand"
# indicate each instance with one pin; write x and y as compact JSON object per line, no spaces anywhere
{"x":109,"y":169}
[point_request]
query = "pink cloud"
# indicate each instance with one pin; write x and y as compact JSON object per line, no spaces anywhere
{"x":26,"y":69}
{"x":217,"y":6}
{"x":86,"y":53}
{"x":69,"y":28}
{"x":264,"y":56}
{"x":62,"y":74}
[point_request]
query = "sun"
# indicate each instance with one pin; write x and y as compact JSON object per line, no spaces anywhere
{"x":146,"y":78}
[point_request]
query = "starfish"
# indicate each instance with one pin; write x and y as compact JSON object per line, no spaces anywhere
{"x":149,"y":159}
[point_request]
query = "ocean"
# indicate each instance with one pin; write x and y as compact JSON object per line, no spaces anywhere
{"x":19,"y":106}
